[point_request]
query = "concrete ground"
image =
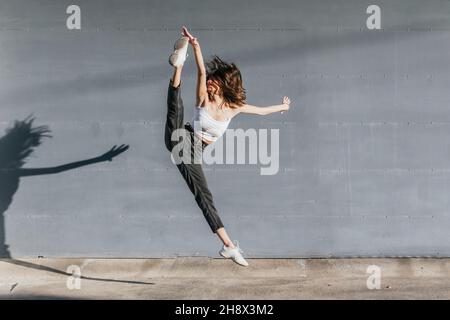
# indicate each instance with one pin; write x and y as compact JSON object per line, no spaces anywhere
{"x":206,"y":278}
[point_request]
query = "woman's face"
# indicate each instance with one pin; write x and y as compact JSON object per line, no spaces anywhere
{"x":212,"y":87}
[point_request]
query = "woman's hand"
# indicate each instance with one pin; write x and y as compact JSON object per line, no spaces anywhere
{"x":192,"y":40}
{"x":285,"y":104}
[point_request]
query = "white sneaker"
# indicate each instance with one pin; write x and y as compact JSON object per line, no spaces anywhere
{"x":235,"y":254}
{"x":179,"y":54}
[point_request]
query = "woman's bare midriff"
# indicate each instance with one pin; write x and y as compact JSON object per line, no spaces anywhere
{"x":204,"y":140}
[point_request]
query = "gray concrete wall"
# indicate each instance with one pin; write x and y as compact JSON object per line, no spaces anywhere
{"x":364,"y":152}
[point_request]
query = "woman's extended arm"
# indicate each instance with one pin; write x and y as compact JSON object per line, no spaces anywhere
{"x":247,"y":108}
{"x":202,"y":94}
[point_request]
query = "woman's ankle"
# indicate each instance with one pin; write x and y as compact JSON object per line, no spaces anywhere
{"x":230,"y":245}
{"x":175,"y":85}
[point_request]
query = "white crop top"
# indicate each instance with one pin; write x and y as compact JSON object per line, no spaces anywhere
{"x":206,"y":127}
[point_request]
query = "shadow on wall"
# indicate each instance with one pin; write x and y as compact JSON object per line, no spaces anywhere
{"x":16,"y":146}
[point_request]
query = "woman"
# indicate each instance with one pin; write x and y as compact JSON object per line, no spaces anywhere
{"x":220,"y":96}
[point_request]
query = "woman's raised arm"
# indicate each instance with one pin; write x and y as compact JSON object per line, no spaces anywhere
{"x":202,"y":94}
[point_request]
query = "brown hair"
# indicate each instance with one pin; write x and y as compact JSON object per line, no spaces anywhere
{"x":229,"y":79}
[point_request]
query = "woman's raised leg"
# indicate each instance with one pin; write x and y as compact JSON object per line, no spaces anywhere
{"x":175,"y":109}
{"x":176,"y":78}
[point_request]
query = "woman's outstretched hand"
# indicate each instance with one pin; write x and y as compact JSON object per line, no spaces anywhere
{"x":286,"y":104}
{"x":114,"y":152}
{"x":192,"y":40}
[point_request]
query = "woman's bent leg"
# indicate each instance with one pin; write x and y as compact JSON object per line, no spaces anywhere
{"x":223,"y":236}
{"x":195,"y":179}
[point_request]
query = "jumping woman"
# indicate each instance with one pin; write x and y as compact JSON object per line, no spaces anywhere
{"x":220,"y":96}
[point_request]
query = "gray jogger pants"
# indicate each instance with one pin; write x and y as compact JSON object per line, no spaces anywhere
{"x":192,"y":172}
